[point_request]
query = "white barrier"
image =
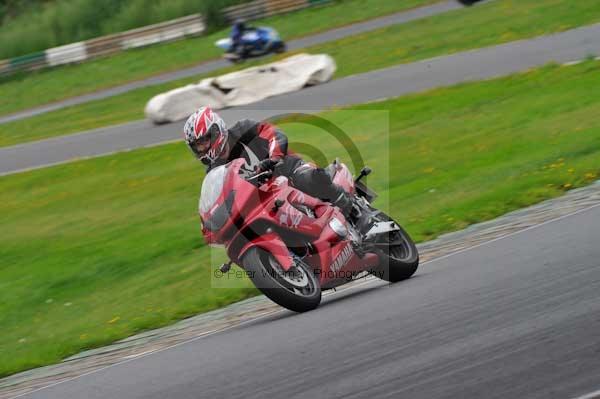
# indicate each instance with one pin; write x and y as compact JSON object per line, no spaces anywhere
{"x":73,"y":52}
{"x":192,"y":27}
{"x":243,"y":87}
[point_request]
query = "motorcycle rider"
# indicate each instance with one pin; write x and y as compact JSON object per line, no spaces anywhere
{"x":265,"y":148}
{"x":237,"y":33}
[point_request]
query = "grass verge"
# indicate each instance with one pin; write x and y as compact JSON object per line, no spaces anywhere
{"x":490,"y":23}
{"x":33,"y":89}
{"x":97,"y":250}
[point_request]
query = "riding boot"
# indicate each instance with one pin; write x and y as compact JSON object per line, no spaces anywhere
{"x":344,"y":201}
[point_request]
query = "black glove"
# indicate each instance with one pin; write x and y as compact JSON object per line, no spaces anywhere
{"x":265,"y":164}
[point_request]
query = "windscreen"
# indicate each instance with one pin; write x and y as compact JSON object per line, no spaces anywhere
{"x":212,"y":188}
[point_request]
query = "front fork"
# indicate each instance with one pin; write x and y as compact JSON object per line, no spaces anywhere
{"x":224,"y":268}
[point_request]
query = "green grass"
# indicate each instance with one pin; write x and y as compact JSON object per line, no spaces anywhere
{"x":33,"y":89}
{"x":487,"y":24}
{"x":99,"y":249}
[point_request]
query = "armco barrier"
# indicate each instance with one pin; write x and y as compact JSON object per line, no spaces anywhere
{"x":105,"y":45}
{"x":74,"y":52}
{"x":266,"y":8}
{"x":166,"y":31}
{"x":248,"y":11}
{"x":28,"y":62}
{"x":4,"y":66}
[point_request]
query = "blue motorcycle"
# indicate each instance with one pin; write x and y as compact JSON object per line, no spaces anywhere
{"x":255,"y":42}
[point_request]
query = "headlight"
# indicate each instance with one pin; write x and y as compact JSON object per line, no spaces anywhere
{"x":339,"y":228}
{"x":219,"y":216}
{"x":212,"y":188}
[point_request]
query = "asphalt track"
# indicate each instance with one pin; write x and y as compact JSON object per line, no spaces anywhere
{"x":517,"y":317}
{"x":391,"y":82}
{"x":209,"y":66}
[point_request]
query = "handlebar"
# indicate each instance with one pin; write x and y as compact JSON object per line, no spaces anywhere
{"x":260,"y":177}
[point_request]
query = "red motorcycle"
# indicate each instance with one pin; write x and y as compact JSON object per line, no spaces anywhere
{"x":292,"y":245}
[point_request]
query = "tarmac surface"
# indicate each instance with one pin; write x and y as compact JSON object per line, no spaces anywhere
{"x":516,"y":317}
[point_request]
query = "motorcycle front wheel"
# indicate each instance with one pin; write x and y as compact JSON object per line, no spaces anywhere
{"x":296,"y":289}
{"x":398,"y":253}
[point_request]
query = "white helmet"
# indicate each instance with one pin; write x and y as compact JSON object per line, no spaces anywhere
{"x":206,"y":134}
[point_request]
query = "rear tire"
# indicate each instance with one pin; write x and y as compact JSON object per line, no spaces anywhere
{"x":398,"y":262}
{"x":280,"y":48}
{"x":297,"y":290}
{"x":233,"y":58}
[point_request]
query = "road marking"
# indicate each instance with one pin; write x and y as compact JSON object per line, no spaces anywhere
{"x":138,"y":354}
{"x":369,"y":280}
{"x":591,"y":395}
{"x":85,"y":158}
{"x":570,"y":63}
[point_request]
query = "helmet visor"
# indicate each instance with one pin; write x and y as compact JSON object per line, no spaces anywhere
{"x":203,"y":143}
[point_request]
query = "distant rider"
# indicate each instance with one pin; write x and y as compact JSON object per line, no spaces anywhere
{"x":264,"y":147}
{"x":237,"y":34}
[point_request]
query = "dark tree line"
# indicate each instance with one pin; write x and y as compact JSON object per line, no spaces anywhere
{"x":12,"y":8}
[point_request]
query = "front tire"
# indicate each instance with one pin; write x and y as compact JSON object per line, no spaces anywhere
{"x":397,"y":262}
{"x":297,"y":289}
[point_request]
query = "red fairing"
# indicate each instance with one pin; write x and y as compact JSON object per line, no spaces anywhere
{"x":272,"y":243}
{"x":281,"y":220}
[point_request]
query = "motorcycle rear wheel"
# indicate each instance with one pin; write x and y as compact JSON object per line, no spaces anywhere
{"x":280,"y":48}
{"x":398,"y":262}
{"x":297,"y":289}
